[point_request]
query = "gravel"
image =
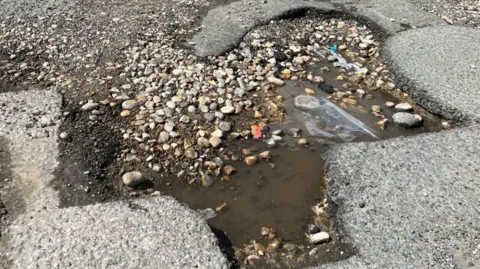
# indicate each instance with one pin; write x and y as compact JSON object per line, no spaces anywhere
{"x":457,"y":12}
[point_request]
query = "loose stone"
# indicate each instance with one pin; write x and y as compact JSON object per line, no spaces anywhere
{"x":132,"y":179}
{"x":227,"y":110}
{"x":89,"y":106}
{"x":407,"y":119}
{"x":130,"y":104}
{"x":404,"y":107}
{"x":251,"y":160}
{"x":319,"y":238}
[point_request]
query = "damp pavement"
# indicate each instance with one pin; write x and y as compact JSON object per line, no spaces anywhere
{"x":402,"y":203}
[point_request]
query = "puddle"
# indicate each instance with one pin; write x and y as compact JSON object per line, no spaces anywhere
{"x":280,"y":193}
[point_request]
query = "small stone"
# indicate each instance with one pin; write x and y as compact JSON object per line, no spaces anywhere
{"x":257,"y":114}
{"x":89,"y":106}
{"x":407,"y":119}
{"x":157,"y":167}
{"x":125,"y":113}
{"x":63,"y":135}
{"x":266,"y":155}
{"x":132,"y":179}
{"x":309,"y":91}
{"x":275,"y":81}
{"x":302,"y":142}
{"x":382,"y":123}
{"x":227,"y":110}
{"x":215,"y":141}
{"x":163,"y":137}
{"x":225,"y":126}
{"x":191,"y":153}
{"x":389,"y":104}
{"x":319,"y":238}
{"x":177,"y":72}
{"x":445,"y":124}
{"x":232,"y":57}
{"x":207,"y":181}
{"x":209,"y":117}
{"x":350,"y":101}
{"x":271,"y":142}
{"x":326,"y":88}
{"x":250,"y":160}
{"x":169,"y":126}
{"x":191,"y":109}
{"x":217,"y":133}
{"x":130,"y":104}
{"x":228,"y":169}
{"x":203,"y":142}
{"x":404,"y":107}
{"x":376,"y":108}
{"x":342,"y":47}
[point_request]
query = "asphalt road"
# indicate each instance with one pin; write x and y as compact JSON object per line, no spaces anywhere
{"x":402,"y":203}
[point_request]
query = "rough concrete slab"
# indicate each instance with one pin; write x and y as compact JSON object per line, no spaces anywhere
{"x":441,"y":67}
{"x":409,"y":202}
{"x":225,"y":25}
{"x":147,"y":233}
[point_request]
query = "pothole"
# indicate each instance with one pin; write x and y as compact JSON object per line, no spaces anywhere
{"x":224,"y":135}
{"x":260,"y":166}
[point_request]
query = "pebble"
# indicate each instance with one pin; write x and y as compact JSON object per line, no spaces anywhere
{"x":89,"y":106}
{"x":185,"y":119}
{"x":203,"y":142}
{"x":250,"y":160}
{"x":191,"y":109}
{"x":209,"y":116}
{"x":404,"y":107}
{"x":132,"y":179}
{"x":227,"y":110}
{"x":326,"y":88}
{"x":225,"y":126}
{"x":389,"y":104}
{"x":302,"y":142}
{"x":63,"y":135}
{"x":217,"y":133}
{"x":191,"y":153}
{"x":309,"y":91}
{"x":319,"y":238}
{"x":129,"y":104}
{"x":266,"y":155}
{"x":228,"y":169}
{"x":177,"y":72}
{"x":275,"y":81}
{"x":157,"y":167}
{"x":215,"y":141}
{"x":169,"y":126}
{"x":407,"y":119}
{"x":376,"y":108}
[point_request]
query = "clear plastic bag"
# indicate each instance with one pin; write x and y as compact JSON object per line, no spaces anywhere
{"x":324,"y":119}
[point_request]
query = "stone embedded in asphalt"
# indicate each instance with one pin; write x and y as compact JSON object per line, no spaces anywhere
{"x":132,"y":179}
{"x":63,"y":135}
{"x":407,"y":119}
{"x":306,"y":102}
{"x":403,"y":107}
{"x":89,"y":106}
{"x":129,"y":104}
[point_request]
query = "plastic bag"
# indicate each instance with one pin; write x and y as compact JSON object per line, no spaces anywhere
{"x":325,"y":119}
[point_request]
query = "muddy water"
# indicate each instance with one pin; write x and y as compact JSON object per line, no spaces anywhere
{"x":280,"y":193}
